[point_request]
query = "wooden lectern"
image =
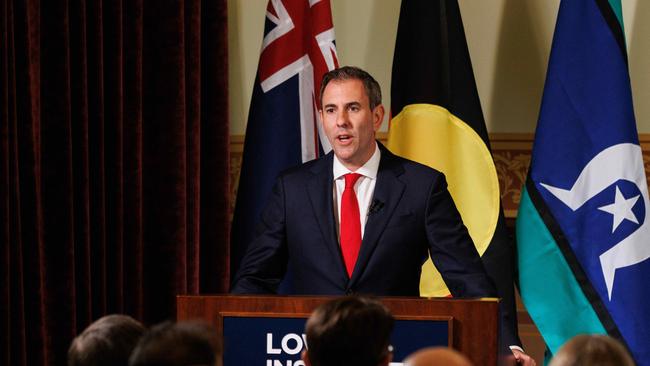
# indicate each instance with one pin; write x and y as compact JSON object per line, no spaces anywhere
{"x":472,"y":324}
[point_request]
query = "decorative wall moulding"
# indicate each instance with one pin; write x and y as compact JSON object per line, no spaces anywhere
{"x":511,"y":153}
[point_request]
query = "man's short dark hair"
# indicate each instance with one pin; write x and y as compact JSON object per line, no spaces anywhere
{"x":178,"y":344}
{"x":108,"y":341}
{"x":354,"y":73}
{"x":349,"y":331}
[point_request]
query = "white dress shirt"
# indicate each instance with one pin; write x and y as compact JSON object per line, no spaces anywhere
{"x":364,"y":187}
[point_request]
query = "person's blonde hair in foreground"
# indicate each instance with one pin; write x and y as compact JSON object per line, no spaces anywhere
{"x":432,"y":356}
{"x":593,"y":350}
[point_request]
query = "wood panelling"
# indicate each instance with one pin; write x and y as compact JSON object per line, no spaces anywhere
{"x":511,"y":153}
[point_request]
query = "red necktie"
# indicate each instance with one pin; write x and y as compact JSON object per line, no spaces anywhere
{"x":350,"y":223}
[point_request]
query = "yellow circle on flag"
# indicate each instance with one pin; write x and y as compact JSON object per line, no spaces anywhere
{"x":431,"y":135}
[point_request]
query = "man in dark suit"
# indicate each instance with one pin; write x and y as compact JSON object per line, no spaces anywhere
{"x":401,"y":211}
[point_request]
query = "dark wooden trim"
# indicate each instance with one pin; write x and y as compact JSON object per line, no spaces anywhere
{"x":473,"y":322}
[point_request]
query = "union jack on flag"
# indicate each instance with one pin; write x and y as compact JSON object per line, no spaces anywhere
{"x":283,"y":124}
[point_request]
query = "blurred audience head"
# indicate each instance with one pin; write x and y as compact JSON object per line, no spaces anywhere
{"x":593,"y":350}
{"x":349,"y":331}
{"x":108,"y":341}
{"x":178,"y":344}
{"x":434,"y":356}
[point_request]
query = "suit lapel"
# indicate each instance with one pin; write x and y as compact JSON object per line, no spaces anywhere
{"x":321,"y":190}
{"x":388,"y":192}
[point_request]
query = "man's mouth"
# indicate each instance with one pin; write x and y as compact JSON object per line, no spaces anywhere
{"x":344,"y":138}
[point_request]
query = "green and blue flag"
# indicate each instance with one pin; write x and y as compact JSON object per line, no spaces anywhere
{"x":582,"y":230}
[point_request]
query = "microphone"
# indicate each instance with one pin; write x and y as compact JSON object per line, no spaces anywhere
{"x":375,"y":206}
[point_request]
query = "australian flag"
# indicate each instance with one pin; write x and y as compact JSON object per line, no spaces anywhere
{"x":583,"y":232}
{"x":283,"y":124}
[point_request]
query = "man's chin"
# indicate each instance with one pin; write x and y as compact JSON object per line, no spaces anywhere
{"x":344,"y":155}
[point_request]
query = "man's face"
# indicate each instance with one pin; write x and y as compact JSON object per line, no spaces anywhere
{"x":349,"y":123}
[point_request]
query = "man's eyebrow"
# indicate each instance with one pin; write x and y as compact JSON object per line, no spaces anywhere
{"x":347,"y":105}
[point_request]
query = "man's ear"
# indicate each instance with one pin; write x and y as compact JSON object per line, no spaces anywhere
{"x":377,"y":117}
{"x":305,"y":358}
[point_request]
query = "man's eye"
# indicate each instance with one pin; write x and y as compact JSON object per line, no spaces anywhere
{"x":329,"y":110}
{"x":354,"y":108}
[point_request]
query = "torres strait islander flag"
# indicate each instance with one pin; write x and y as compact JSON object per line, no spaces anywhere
{"x":583,"y":232}
{"x":283,"y":124}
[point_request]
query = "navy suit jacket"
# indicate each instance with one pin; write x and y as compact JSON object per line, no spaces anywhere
{"x":412,"y":214}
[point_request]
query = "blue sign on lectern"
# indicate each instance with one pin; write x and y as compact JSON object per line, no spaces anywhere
{"x":278,"y":341}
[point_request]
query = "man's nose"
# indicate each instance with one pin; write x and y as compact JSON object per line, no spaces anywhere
{"x":342,"y":119}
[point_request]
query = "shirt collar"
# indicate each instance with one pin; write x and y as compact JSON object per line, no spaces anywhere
{"x":369,"y":169}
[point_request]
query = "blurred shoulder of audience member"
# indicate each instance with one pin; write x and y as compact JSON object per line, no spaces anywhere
{"x":108,"y":341}
{"x":178,"y":344}
{"x":593,"y":350}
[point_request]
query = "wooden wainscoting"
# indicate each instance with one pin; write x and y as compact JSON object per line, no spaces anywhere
{"x":511,"y":153}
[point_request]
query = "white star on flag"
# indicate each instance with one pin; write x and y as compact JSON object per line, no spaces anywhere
{"x":621,"y":209}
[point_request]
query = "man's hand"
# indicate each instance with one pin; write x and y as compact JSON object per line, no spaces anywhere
{"x":523,"y":359}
